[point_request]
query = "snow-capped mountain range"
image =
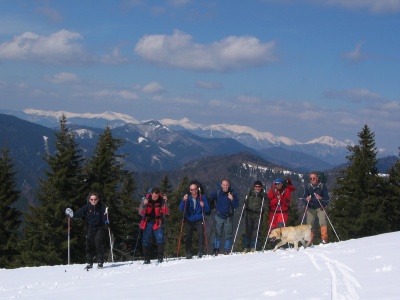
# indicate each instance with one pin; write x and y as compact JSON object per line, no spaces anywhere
{"x":237,"y":132}
{"x":329,"y":151}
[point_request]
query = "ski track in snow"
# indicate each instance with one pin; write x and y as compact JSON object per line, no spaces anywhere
{"x":343,"y":283}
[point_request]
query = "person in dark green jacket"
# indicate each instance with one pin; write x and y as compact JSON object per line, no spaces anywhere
{"x":254,"y":210}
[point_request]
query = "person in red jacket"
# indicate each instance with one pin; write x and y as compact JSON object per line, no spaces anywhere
{"x":152,"y":209}
{"x":279,"y":196}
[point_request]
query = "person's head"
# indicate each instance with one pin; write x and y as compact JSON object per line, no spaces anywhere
{"x":155,"y":193}
{"x":278,"y":183}
{"x":193,"y":189}
{"x":258,"y":185}
{"x":225,"y":185}
{"x":314,"y":178}
{"x":94,"y":198}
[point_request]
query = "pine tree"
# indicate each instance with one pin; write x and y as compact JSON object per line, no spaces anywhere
{"x":392,"y":198}
{"x":175,"y":219}
{"x":128,"y":221}
{"x":105,"y":174}
{"x":356,"y":206}
{"x":45,"y":240}
{"x":9,"y":215}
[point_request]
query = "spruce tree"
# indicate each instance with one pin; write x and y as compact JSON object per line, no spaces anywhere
{"x":175,"y":220}
{"x":45,"y":240}
{"x":392,"y":198}
{"x":128,"y":221}
{"x":9,"y":215}
{"x":356,"y":205}
{"x":104,"y":174}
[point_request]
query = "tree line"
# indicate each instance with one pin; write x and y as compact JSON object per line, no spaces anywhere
{"x":363,"y":202}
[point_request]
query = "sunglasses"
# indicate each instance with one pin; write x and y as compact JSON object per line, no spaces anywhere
{"x":93,"y":199}
{"x":313,"y":178}
{"x":257,"y":186}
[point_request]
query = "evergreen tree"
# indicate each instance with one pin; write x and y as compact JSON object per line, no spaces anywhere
{"x":45,"y":241}
{"x":128,"y":221}
{"x":392,"y":198}
{"x":105,"y":174}
{"x":175,"y":220}
{"x":356,"y":204}
{"x":9,"y":215}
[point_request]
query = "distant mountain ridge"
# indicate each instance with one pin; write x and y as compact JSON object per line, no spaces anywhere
{"x":329,"y":151}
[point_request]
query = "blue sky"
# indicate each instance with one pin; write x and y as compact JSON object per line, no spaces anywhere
{"x":300,"y":69}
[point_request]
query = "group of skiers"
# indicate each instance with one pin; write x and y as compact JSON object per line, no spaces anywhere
{"x":195,"y":205}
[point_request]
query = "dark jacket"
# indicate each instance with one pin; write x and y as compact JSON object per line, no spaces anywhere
{"x":193,"y":214}
{"x":94,"y":214}
{"x":254,"y":201}
{"x":319,"y":189}
{"x":224,"y":206}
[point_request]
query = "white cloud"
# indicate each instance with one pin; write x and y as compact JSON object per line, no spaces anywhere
{"x":114,"y":58}
{"x":153,"y":88}
{"x":356,"y":55}
{"x":122,"y":94}
{"x":208,"y":85}
{"x":179,"y":2}
{"x":374,"y":6}
{"x":179,"y":51}
{"x":356,"y":95}
{"x":60,"y":47}
{"x":63,"y":77}
{"x":50,"y":13}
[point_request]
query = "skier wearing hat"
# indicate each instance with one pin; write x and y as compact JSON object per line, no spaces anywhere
{"x":253,"y":207}
{"x":279,"y":197}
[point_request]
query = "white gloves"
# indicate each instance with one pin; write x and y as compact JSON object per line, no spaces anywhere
{"x":69,"y":212}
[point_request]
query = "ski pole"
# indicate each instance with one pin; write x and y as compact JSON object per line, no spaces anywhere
{"x":333,"y":228}
{"x":204,"y":223}
{"x":237,"y":229}
{"x":211,"y":230}
{"x":269,"y":230}
{"x":259,"y":222}
{"x":140,"y":229}
{"x":109,"y":234}
{"x":305,"y":210}
{"x":69,"y":230}
{"x":180,"y":234}
{"x":165,"y":230}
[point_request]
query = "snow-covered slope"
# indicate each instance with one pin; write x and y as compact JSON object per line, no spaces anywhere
{"x":367,"y":268}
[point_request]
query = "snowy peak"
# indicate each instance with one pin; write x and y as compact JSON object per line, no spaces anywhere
{"x":330,"y":141}
{"x":111,"y":116}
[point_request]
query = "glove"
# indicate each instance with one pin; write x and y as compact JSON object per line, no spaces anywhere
{"x":107,"y":222}
{"x":69,"y":212}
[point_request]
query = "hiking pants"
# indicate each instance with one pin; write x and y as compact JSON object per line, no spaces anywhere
{"x":94,"y":244}
{"x":148,"y":233}
{"x":223,"y":226}
{"x":316,"y":213}
{"x":190,"y":227}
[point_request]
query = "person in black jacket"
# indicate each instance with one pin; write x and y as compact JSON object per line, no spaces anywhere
{"x":253,"y":204}
{"x":95,"y":216}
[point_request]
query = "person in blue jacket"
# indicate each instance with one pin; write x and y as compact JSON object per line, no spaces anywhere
{"x":226,"y":201}
{"x":94,"y":213}
{"x":194,"y":207}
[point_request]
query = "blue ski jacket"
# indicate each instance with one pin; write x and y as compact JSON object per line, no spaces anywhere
{"x":192,"y":213}
{"x":224,"y":206}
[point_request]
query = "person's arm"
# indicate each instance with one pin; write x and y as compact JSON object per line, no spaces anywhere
{"x":206,"y":206}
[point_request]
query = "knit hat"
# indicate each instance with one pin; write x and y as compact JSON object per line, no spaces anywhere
{"x":278,"y":180}
{"x":257,"y":182}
